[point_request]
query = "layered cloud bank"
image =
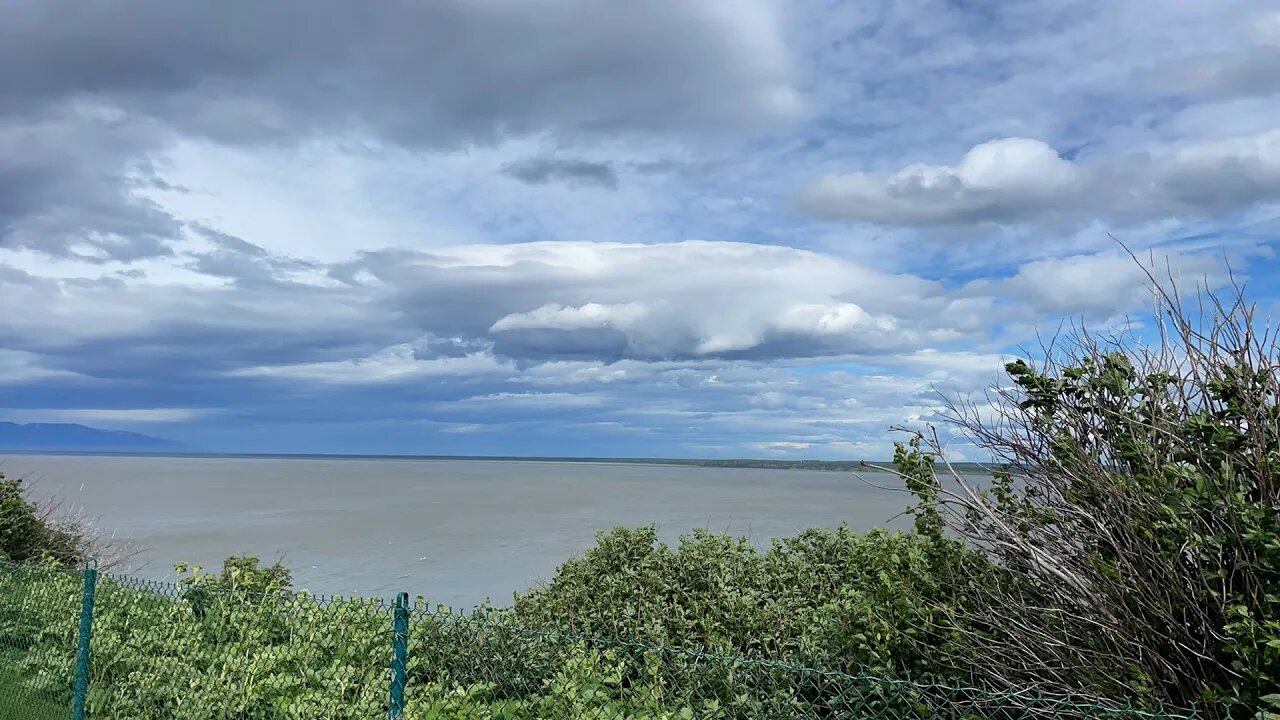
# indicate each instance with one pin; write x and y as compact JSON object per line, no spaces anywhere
{"x":562,"y":227}
{"x":1020,"y":180}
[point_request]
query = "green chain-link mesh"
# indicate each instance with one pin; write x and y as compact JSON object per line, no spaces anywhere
{"x":486,"y":665}
{"x":166,"y":651}
{"x":39,"y":624}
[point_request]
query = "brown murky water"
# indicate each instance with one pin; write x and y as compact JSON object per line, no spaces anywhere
{"x":455,"y":531}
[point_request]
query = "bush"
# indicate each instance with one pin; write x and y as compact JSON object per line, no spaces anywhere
{"x":840,"y":599}
{"x":1136,"y":523}
{"x":32,"y":534}
{"x":201,"y":652}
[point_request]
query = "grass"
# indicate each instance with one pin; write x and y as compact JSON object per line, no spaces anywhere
{"x":19,"y":703}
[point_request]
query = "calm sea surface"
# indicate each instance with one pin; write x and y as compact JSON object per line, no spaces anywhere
{"x":457,"y":532}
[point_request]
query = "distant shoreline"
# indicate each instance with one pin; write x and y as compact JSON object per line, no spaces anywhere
{"x":742,"y":463}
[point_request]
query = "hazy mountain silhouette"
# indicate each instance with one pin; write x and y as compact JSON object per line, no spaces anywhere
{"x":72,"y":437}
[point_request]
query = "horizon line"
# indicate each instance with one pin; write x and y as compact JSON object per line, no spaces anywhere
{"x":410,"y":456}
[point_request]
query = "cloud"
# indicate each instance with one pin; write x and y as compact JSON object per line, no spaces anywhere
{"x":1023,"y":181}
{"x":1248,"y":72}
{"x":738,"y":344}
{"x":394,"y":364}
{"x":22,"y":367}
{"x":241,"y":261}
{"x":597,"y":300}
{"x":559,"y":317}
{"x":106,"y":416}
{"x":93,"y":106}
{"x":550,"y":312}
{"x":67,"y":186}
{"x":345,"y":226}
{"x":1247,"y":69}
{"x":583,"y":173}
{"x":467,"y":320}
{"x":531,"y":401}
{"x":1215,"y":178}
{"x":781,"y":447}
{"x":1101,"y":286}
{"x":421,"y":74}
{"x":998,"y":181}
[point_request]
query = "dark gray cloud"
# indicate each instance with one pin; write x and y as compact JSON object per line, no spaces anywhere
{"x":421,"y":73}
{"x":501,"y":337}
{"x":91,"y":92}
{"x":172,"y":333}
{"x":242,"y":261}
{"x":658,"y":167}
{"x":543,"y":170}
{"x":65,"y":186}
{"x":1245,"y":72}
{"x":596,"y":300}
{"x":427,"y":312}
{"x":230,"y":243}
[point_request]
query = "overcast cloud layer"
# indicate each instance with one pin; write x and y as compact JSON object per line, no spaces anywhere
{"x":554,"y":227}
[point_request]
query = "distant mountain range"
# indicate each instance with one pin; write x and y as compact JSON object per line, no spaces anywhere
{"x":68,"y":437}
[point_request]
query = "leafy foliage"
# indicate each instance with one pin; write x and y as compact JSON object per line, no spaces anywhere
{"x":252,"y":656}
{"x":30,"y":535}
{"x":1135,"y":524}
{"x":836,"y":598}
{"x":240,"y":573}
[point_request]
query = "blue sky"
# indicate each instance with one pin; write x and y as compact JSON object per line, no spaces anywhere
{"x":558,"y":227}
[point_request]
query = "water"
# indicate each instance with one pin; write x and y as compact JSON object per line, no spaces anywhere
{"x":455,"y":531}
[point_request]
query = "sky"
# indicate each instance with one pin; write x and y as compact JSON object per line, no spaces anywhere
{"x":565,"y":227}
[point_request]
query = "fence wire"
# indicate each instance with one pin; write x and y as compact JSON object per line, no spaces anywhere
{"x":487,"y":665}
{"x":39,"y":635}
{"x":163,"y":651}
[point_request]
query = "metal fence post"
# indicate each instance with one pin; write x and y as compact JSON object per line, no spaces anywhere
{"x":86,"y":631}
{"x":399,"y":655}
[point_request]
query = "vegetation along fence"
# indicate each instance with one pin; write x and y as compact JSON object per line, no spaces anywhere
{"x":79,"y":643}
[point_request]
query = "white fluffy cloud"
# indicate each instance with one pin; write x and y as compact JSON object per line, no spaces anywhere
{"x":1107,"y":283}
{"x":1020,"y":180}
{"x":560,"y":317}
{"x":399,"y":315}
{"x":999,"y":181}
{"x":691,"y":299}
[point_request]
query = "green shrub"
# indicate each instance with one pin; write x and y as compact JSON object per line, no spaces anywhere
{"x":845,"y":600}
{"x":30,"y":534}
{"x":240,"y":573}
{"x":255,"y":656}
{"x":1136,"y":526}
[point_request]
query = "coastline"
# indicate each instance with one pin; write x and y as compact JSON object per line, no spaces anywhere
{"x":729,"y":463}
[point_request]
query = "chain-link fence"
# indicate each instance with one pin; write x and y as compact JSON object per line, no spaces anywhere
{"x":40,"y":611}
{"x":152,"y":651}
{"x":489,"y":665}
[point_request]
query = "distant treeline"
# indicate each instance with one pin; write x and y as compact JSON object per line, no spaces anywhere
{"x":837,"y":465}
{"x":831,"y":465}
